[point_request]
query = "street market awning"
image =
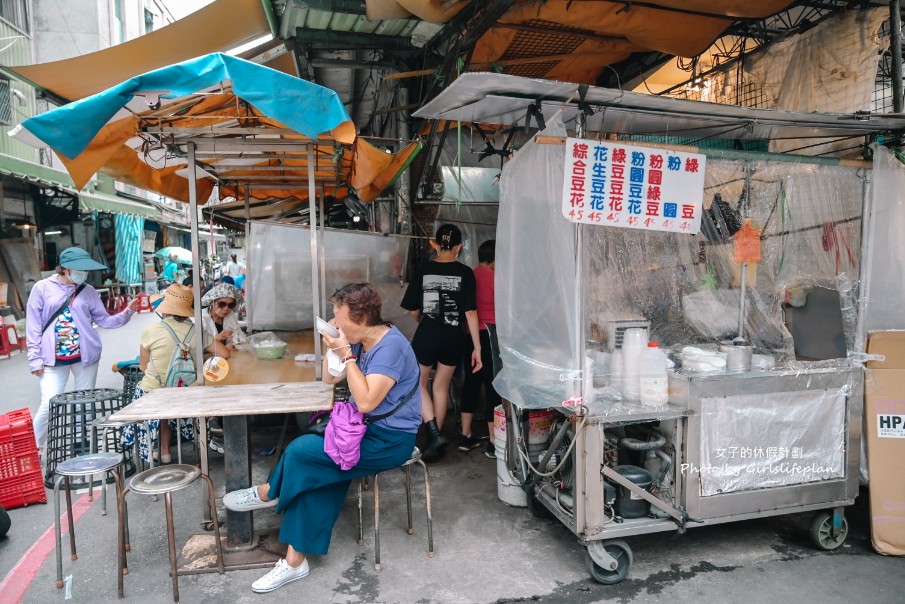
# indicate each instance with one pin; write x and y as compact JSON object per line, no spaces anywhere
{"x":254,"y":130}
{"x":135,"y":130}
{"x":495,"y":98}
{"x":219,"y":26}
{"x":104,"y":202}
{"x":574,"y":41}
{"x":38,"y":174}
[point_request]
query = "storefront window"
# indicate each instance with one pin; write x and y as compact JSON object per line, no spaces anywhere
{"x":16,"y":12}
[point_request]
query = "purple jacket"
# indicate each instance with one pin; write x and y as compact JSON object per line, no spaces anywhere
{"x":46,"y":297}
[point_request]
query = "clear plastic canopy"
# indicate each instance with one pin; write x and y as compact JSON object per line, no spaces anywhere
{"x":561,"y":287}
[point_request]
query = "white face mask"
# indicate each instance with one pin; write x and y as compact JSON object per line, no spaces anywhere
{"x":78,"y":277}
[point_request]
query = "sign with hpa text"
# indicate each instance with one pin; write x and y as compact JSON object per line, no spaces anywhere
{"x":614,"y":184}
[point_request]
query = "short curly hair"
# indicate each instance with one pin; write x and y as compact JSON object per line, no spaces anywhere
{"x":363,"y":301}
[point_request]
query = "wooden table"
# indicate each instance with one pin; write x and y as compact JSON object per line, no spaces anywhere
{"x":246,"y":368}
{"x":234,"y":403}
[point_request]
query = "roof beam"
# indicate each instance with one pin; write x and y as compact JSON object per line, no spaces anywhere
{"x":349,"y":7}
{"x":329,"y":38}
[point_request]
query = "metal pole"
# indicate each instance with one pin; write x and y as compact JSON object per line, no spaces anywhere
{"x":199,"y":339}
{"x":868,"y":232}
{"x":321,"y":250}
{"x":405,"y":184}
{"x":315,"y":277}
{"x":196,"y":272}
{"x":895,"y":50}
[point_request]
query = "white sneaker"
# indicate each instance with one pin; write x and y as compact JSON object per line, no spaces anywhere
{"x":246,"y":500}
{"x":281,"y":574}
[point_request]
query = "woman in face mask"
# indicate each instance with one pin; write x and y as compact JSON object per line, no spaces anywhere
{"x":59,"y":331}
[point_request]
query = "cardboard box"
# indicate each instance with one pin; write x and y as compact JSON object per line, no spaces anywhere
{"x":884,"y":413}
{"x":3,"y":290}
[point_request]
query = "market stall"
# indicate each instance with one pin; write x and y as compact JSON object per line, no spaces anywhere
{"x":745,"y":267}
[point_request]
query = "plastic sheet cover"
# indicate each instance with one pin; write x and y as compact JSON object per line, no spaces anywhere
{"x":559,"y":295}
{"x":477,"y":223}
{"x":884,"y":284}
{"x":279,"y":272}
{"x":770,"y":448}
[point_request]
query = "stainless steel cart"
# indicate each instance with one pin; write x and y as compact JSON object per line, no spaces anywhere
{"x":739,"y":445}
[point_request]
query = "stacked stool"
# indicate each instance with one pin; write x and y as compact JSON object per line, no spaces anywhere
{"x":70,"y":433}
{"x":406,"y":467}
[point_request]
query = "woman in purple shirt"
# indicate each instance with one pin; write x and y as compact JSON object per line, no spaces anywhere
{"x":59,"y":331}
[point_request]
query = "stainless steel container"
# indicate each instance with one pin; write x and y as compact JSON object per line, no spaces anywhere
{"x":738,"y":356}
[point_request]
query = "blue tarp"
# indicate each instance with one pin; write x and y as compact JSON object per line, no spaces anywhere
{"x":301,"y":105}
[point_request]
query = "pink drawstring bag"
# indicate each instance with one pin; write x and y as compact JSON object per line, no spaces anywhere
{"x":342,"y":438}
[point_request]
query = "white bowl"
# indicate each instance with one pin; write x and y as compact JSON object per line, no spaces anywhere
{"x":325,"y":328}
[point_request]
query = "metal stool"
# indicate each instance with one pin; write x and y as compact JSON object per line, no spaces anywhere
{"x":104,"y":443}
{"x":164,"y":480}
{"x":406,"y":467}
{"x":83,"y":465}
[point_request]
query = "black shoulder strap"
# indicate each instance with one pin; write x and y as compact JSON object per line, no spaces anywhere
{"x":373,"y":418}
{"x":60,"y":310}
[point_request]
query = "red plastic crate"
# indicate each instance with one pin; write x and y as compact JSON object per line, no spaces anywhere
{"x":21,"y":482}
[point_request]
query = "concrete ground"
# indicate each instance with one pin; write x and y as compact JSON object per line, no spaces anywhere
{"x":485,"y":551}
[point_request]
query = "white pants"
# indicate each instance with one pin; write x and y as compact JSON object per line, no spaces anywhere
{"x":53,"y":382}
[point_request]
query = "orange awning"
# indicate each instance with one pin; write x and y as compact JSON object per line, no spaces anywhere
{"x":217,"y":27}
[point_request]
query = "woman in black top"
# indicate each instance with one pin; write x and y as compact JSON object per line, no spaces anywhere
{"x":442,"y":299}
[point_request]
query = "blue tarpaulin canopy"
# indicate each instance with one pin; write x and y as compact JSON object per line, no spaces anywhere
{"x":133,"y":130}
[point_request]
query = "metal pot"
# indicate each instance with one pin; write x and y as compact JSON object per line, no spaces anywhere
{"x":738,"y":355}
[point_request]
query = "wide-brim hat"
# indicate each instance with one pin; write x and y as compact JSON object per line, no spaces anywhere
{"x":222,"y":290}
{"x":177,"y":300}
{"x":76,"y":258}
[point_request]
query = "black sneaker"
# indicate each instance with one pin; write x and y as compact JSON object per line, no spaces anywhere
{"x":467,"y":443}
{"x":490,"y":451}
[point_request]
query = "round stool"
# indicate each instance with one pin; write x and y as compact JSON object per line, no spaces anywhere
{"x":83,"y":465}
{"x":165,"y":480}
{"x":104,"y":443}
{"x":69,"y":428}
{"x":406,"y":467}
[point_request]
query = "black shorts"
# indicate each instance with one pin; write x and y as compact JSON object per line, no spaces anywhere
{"x":436,"y":343}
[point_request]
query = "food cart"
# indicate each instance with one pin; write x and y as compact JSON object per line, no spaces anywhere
{"x":782,"y":436}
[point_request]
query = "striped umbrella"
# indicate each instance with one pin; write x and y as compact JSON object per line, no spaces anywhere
{"x":129,"y":261}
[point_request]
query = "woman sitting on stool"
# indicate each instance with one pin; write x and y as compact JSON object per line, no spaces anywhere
{"x":309,"y":486}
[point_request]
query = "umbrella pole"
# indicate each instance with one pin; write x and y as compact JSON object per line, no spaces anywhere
{"x":315,"y":276}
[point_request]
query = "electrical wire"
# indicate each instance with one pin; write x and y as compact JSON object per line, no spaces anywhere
{"x":524,"y":456}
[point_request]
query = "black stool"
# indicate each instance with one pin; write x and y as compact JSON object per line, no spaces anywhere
{"x":69,"y":433}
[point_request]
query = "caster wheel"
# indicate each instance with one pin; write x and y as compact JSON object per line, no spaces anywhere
{"x":822,"y":531}
{"x":537,"y":509}
{"x":620,"y":551}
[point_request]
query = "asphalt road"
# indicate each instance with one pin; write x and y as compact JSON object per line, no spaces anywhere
{"x":485,"y":551}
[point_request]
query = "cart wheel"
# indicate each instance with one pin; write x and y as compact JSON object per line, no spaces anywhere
{"x":619,"y":550}
{"x":537,"y":509}
{"x":822,"y":531}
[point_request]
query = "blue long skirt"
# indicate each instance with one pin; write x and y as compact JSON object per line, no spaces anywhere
{"x":312,"y":488}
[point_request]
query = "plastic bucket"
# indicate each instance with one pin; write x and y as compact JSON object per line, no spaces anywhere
{"x":508,"y":490}
{"x":540,"y":423}
{"x":499,"y":425}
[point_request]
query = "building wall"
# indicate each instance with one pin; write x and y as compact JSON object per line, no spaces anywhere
{"x":17,"y":50}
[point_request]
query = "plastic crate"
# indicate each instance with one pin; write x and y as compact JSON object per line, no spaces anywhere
{"x":21,"y":482}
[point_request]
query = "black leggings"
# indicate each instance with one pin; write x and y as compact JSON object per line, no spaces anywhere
{"x":471,"y":391}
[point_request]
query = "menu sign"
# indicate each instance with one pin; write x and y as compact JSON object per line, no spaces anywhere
{"x":614,"y":184}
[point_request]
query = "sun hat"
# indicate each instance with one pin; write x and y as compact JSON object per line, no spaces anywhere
{"x":222,"y":290}
{"x":76,"y":258}
{"x":448,"y":236}
{"x":177,"y":300}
